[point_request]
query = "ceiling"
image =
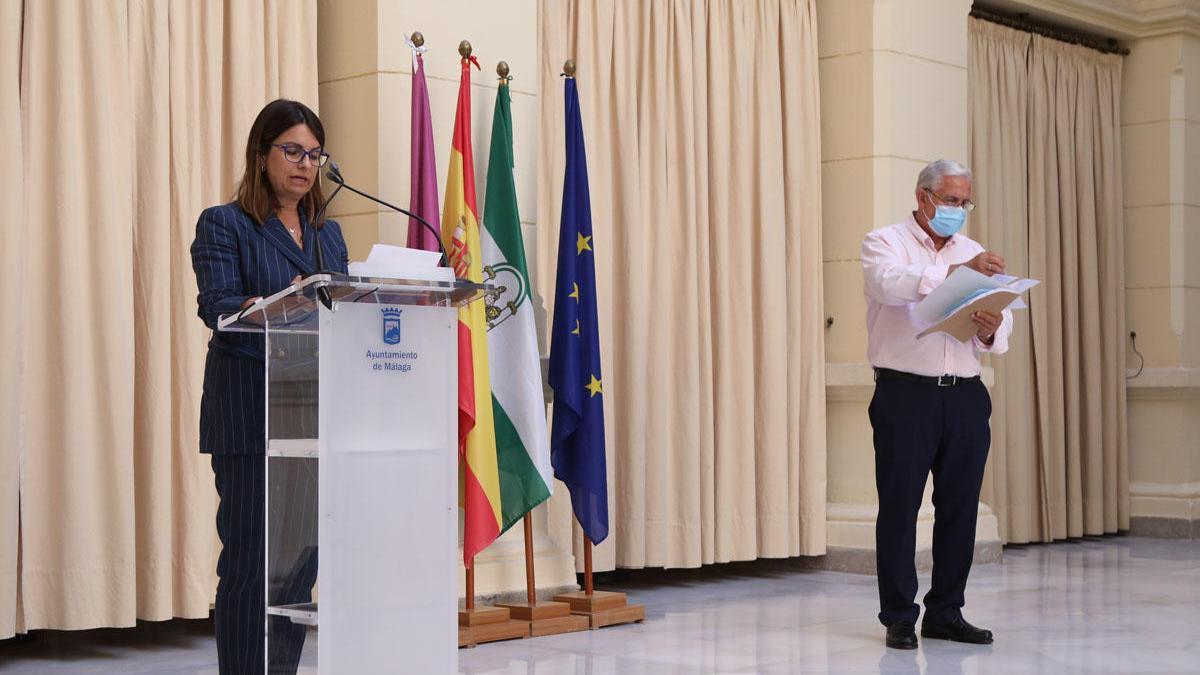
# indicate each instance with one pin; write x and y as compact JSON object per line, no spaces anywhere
{"x":1122,"y":19}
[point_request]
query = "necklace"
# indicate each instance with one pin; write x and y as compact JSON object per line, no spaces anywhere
{"x":297,"y":236}
{"x":297,"y":232}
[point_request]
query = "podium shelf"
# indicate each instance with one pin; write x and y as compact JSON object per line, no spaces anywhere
{"x":303,"y":613}
{"x":292,"y":447}
{"x":295,"y":308}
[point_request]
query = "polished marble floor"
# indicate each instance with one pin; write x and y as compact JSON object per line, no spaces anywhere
{"x":1113,"y":605}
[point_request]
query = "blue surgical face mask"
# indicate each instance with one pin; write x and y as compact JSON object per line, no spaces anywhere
{"x":948,"y":220}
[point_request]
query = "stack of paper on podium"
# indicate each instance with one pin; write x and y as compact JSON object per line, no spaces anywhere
{"x":398,"y":262}
{"x":948,"y":309}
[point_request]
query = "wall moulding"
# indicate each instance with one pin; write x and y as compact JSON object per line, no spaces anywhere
{"x":1123,"y":19}
{"x":1164,"y":384}
{"x":856,"y":381}
{"x":1165,"y":510}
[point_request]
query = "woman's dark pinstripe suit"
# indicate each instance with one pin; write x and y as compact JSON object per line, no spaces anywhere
{"x":235,"y":259}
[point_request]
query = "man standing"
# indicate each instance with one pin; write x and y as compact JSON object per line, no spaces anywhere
{"x":930,"y":410}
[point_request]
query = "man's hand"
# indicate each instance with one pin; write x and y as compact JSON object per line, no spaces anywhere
{"x":985,"y":263}
{"x":986,"y":325}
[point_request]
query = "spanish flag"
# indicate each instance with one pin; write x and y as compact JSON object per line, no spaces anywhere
{"x":479,"y":482}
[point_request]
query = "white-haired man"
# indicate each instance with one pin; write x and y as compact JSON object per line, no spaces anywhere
{"x":930,"y":410}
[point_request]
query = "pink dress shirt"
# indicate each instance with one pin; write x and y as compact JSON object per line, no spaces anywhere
{"x":901,"y":266}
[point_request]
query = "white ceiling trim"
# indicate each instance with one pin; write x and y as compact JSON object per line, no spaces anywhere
{"x":1127,"y":18}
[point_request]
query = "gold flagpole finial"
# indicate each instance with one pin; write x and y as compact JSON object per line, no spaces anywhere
{"x":464,"y":48}
{"x":569,"y":68}
{"x":502,"y":71}
{"x":418,"y":39}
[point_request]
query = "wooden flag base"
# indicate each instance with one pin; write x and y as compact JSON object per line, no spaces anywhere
{"x":603,"y":608}
{"x":465,"y":639}
{"x":547,"y":618}
{"x":488,"y":624}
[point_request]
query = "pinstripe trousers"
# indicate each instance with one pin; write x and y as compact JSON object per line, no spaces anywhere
{"x":241,"y":597}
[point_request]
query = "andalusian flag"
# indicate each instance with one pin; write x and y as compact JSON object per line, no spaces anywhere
{"x":479,"y":486}
{"x":522,"y":448}
{"x":577,"y":435}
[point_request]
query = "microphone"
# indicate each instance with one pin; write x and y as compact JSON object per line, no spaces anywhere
{"x":334,"y":174}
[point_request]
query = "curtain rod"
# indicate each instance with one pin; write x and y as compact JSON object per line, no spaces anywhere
{"x":1022,"y":22}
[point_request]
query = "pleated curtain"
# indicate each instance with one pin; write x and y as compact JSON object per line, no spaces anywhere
{"x":1045,"y":147}
{"x":120,"y":121}
{"x":702,"y":131}
{"x":12,"y":307}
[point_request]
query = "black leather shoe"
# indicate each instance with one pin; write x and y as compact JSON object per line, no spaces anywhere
{"x":901,"y":636}
{"x":957,"y":630}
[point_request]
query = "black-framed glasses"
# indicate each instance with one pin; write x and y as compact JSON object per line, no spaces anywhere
{"x":296,"y":154}
{"x":953,"y":201}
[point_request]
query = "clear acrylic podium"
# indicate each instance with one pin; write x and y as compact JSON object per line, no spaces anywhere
{"x":362,"y":472}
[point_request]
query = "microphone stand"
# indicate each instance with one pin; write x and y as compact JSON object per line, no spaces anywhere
{"x":319,"y":253}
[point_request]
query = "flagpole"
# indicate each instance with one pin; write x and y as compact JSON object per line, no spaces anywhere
{"x":486,"y":624}
{"x":471,"y":584}
{"x":602,"y":608}
{"x":503,"y":72}
{"x":587,"y":566}
{"x":530,"y":585}
{"x":569,"y":72}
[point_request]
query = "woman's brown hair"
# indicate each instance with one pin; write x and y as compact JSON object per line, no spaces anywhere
{"x":254,"y":193}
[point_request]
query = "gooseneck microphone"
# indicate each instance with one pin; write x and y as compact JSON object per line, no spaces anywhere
{"x":319,"y":252}
{"x":335,"y":175}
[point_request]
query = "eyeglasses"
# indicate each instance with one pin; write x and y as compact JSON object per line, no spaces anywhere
{"x":296,"y":154}
{"x":953,"y":201}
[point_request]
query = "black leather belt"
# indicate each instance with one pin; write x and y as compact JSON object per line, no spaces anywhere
{"x":938,"y":381}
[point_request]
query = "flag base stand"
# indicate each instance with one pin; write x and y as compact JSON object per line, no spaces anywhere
{"x":547,"y":618}
{"x":489,"y":624}
{"x":465,"y":639}
{"x":541,"y":618}
{"x":603,"y":608}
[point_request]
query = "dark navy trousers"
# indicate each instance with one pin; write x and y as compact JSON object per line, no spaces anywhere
{"x":918,"y":428}
{"x":241,"y":591}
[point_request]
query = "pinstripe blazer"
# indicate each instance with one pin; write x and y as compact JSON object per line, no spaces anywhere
{"x":234,"y":259}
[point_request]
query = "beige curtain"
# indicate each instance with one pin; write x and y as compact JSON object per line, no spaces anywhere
{"x":12,"y":306}
{"x":702,"y":132}
{"x":132,"y":117}
{"x":1045,"y":132}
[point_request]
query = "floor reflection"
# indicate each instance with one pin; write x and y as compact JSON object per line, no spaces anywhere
{"x":1117,"y":605}
{"x":1112,"y":605}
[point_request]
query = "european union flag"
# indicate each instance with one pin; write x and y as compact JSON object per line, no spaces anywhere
{"x":577,"y":434}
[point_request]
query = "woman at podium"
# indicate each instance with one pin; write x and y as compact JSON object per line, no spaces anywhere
{"x":251,"y":248}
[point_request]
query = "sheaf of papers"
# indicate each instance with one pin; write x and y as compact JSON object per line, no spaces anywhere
{"x":397,"y":262}
{"x":967,"y":288}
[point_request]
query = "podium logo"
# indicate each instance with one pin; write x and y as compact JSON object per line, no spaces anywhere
{"x":391,"y":326}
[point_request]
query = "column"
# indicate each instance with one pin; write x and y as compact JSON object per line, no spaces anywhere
{"x":365,"y":79}
{"x":893,"y":97}
{"x":1160,"y":129}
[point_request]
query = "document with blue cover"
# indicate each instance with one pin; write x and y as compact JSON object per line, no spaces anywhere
{"x":948,"y":309}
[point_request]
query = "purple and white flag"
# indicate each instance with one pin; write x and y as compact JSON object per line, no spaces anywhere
{"x":422,"y":195}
